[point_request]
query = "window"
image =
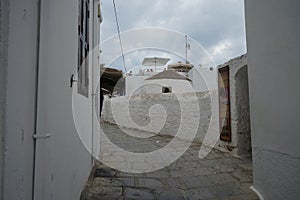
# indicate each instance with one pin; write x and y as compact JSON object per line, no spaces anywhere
{"x":166,"y":89}
{"x":83,"y":48}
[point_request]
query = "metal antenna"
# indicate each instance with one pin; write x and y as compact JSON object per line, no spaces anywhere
{"x":186,"y":49}
{"x":118,"y":29}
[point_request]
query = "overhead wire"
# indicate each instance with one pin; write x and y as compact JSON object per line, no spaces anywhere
{"x":119,"y":35}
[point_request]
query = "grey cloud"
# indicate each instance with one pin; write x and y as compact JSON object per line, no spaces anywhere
{"x":210,"y":22}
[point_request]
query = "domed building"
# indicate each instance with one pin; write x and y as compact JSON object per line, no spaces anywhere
{"x":167,"y":81}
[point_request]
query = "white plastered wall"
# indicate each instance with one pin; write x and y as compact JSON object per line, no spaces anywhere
{"x":62,"y":162}
{"x":274,"y":77}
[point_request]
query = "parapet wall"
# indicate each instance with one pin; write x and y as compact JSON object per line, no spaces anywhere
{"x":161,"y":113}
{"x":164,"y":114}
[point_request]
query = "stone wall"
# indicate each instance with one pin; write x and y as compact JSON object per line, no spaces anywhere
{"x":239,"y":106}
{"x":161,"y":113}
{"x":147,"y":112}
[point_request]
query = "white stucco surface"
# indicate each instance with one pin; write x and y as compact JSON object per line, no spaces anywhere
{"x":41,"y":103}
{"x":274,"y":77}
{"x":4,"y":23}
{"x":204,"y":78}
{"x":139,"y":85}
{"x":161,"y":113}
{"x":132,"y":83}
{"x":155,"y":86}
{"x":239,"y":106}
{"x":149,"y":92}
{"x":19,"y":97}
{"x":63,"y":160}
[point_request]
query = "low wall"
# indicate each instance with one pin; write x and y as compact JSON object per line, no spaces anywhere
{"x":161,"y":113}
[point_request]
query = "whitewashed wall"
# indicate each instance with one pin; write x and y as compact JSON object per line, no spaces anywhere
{"x":155,"y":86}
{"x":138,"y":85}
{"x":18,"y":70}
{"x":139,"y":106}
{"x":41,"y":103}
{"x":204,"y":78}
{"x":132,"y":83}
{"x":63,"y":162}
{"x":115,"y":110}
{"x":239,"y":106}
{"x":274,"y":77}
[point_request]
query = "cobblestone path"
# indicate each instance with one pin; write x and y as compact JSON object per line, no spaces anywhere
{"x":218,"y":176}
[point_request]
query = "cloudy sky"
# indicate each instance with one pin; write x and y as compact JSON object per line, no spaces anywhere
{"x":218,"y":25}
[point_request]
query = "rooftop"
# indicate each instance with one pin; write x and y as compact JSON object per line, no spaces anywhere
{"x":168,"y":74}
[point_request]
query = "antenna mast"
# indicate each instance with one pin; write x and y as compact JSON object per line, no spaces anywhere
{"x":186,"y":49}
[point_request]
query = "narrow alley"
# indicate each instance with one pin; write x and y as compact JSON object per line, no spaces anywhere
{"x":218,"y":176}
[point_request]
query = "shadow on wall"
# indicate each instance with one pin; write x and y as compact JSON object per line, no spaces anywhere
{"x":243,"y":111}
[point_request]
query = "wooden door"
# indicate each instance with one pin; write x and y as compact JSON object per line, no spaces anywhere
{"x":224,"y":104}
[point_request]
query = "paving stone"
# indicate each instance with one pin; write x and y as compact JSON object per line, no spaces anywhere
{"x":159,"y":174}
{"x":104,"y":172}
{"x":199,"y":194}
{"x":246,"y":166}
{"x":215,"y":155}
{"x":127,"y":174}
{"x":107,"y":191}
{"x":221,"y":178}
{"x":148,"y":183}
{"x":204,"y":171}
{"x":250,"y":174}
{"x":241,"y":176}
{"x":133,"y":193}
{"x":174,"y":183}
{"x":109,"y":198}
{"x":231,"y":160}
{"x":217,"y":176}
{"x":211,"y":163}
{"x":244,"y":197}
{"x":246,"y":187}
{"x":190,"y":182}
{"x":226,"y":168}
{"x":226,"y":190}
{"x":192,"y":171}
{"x":168,"y":194}
{"x":107,"y":182}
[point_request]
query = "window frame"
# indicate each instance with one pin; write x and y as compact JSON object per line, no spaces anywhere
{"x":83,"y":47}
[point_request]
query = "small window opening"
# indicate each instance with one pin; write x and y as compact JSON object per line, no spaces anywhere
{"x":166,"y":89}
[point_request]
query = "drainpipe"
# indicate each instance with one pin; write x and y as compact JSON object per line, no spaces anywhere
{"x":39,"y":4}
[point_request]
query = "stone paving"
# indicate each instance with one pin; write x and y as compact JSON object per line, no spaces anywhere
{"x":218,"y":176}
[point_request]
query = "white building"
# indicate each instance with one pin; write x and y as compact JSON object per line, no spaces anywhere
{"x":204,"y":78}
{"x":181,"y":68}
{"x":164,"y":82}
{"x":233,"y":100}
{"x":133,"y":81}
{"x":42,"y":43}
{"x":274,"y":77}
